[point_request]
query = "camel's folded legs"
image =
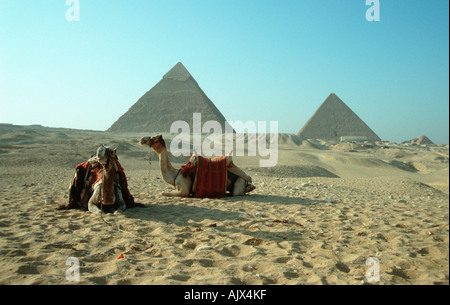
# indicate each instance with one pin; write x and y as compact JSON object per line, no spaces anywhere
{"x":118,"y":194}
{"x":181,"y":193}
{"x":241,"y":187}
{"x":96,"y":198}
{"x":183,"y":186}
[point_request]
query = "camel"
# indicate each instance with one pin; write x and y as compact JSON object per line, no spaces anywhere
{"x":182,"y":184}
{"x":99,"y":181}
{"x":107,"y":189}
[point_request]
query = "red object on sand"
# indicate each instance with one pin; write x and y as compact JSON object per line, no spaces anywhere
{"x":120,"y":256}
{"x":209,"y":176}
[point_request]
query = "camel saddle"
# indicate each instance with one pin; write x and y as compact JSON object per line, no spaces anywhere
{"x":211,"y":176}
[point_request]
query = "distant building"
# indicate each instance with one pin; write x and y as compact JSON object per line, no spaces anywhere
{"x":353,"y":138}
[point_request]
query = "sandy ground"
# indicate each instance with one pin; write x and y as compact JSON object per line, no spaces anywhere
{"x":315,"y":218}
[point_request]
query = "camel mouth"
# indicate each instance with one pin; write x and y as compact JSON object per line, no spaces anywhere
{"x":102,"y":161}
{"x":144,"y":141}
{"x":151,"y":140}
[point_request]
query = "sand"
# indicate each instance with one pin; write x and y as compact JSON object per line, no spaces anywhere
{"x":314,"y":219}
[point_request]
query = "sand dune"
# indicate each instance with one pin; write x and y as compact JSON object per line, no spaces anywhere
{"x":315,"y":218}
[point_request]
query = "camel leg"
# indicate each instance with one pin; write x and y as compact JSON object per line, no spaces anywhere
{"x":84,"y":198}
{"x":181,"y":193}
{"x":250,"y":187}
{"x":183,"y":186}
{"x":118,"y":195}
{"x":241,"y":187}
{"x":95,"y":199}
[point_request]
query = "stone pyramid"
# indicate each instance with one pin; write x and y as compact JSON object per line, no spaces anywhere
{"x":176,"y":97}
{"x":424,"y":140}
{"x":333,"y":120}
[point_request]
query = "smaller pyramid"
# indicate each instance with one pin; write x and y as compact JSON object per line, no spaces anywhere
{"x":333,"y":120}
{"x":424,"y":140}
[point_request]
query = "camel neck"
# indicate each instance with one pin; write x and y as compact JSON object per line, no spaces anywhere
{"x":108,"y":184}
{"x":167,"y":171}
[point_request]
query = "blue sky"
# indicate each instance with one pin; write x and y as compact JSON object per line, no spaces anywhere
{"x":256,"y":60}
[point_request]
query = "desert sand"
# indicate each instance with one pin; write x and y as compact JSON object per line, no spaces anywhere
{"x":315,"y":218}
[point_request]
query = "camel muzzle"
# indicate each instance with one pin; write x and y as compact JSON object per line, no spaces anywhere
{"x":151,"y":140}
{"x":143,"y":141}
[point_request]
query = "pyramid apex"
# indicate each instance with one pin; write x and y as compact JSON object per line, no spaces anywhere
{"x":332,"y":95}
{"x":178,"y":72}
{"x":333,"y":99}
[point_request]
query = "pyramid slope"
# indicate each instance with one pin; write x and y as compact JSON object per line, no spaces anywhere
{"x":333,"y":120}
{"x":176,"y":97}
{"x":424,"y":140}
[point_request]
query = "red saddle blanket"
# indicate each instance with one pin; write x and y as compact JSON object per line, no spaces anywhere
{"x":209,"y":176}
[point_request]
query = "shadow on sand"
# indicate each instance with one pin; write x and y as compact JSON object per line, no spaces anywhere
{"x":193,"y":214}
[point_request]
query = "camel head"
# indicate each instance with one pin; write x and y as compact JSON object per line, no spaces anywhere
{"x":105,"y":154}
{"x":154,"y":142}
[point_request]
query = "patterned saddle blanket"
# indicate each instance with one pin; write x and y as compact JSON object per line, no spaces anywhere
{"x":210,"y":175}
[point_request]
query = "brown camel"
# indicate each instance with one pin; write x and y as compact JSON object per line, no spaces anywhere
{"x":107,"y":189}
{"x":183,"y":185}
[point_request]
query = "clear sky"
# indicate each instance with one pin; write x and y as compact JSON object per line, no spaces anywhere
{"x":260,"y":60}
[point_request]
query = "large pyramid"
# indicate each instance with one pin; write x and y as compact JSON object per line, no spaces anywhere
{"x":176,"y":97}
{"x":333,"y":120}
